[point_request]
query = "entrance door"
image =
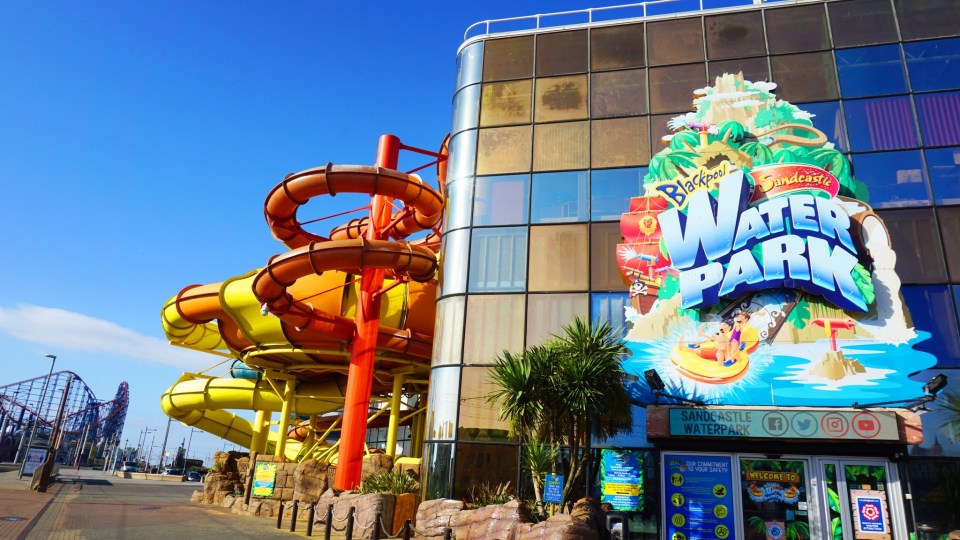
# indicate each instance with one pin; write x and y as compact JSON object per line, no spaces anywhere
{"x":862,"y":500}
{"x":776,"y":499}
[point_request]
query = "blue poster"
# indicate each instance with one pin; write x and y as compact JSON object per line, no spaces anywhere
{"x":553,"y":489}
{"x":621,"y":479}
{"x":870,"y":514}
{"x":698,"y":497}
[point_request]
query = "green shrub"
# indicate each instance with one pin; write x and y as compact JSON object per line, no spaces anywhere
{"x":485,"y":494}
{"x":389,"y":482}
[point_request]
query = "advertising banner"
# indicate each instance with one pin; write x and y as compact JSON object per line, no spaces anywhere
{"x":35,"y":458}
{"x":621,"y":479}
{"x":264,"y":478}
{"x":697,"y":489}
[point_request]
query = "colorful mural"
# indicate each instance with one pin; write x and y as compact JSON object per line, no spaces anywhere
{"x":759,"y":274}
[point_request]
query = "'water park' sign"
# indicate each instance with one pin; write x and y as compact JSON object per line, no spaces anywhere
{"x":784,"y":424}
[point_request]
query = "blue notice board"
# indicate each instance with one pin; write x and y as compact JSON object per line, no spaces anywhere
{"x":553,"y":489}
{"x":621,"y":479}
{"x":698,"y":493}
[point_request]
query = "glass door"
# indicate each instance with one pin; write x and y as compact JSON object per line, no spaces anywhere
{"x":775,"y":498}
{"x":863,"y":500}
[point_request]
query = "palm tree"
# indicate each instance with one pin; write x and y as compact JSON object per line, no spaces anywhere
{"x":564,"y":392}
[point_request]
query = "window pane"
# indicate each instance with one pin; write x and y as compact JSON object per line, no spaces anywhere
{"x":498,"y":259}
{"x":470,"y":64}
{"x":501,"y":200}
{"x":459,"y":199}
{"x":448,"y":336}
{"x":943,"y":166}
{"x":619,"y":142}
{"x":504,"y":150}
{"x":547,"y":314}
{"x":615,"y":47}
{"x":671,"y":88}
{"x":466,"y":107}
{"x":463,"y":152}
{"x":659,"y":130}
{"x":805,"y":77}
{"x":443,"y":399}
{"x":894,"y":178}
{"x":754,"y":69}
{"x":561,"y":98}
{"x":928,"y":19}
{"x":480,"y":419}
{"x":508,"y":58}
{"x":861,"y":22}
{"x":604,"y":272}
{"x":561,"y":52}
{"x":453,"y":271}
{"x":608,"y":308}
{"x":496,"y":325}
{"x":880,"y":124}
{"x":828,"y":118}
{"x":558,"y":258}
{"x":933,"y":64}
{"x":931,"y":310}
{"x":797,"y":29}
{"x":871,"y":71}
{"x":559,"y":197}
{"x":618,"y":93}
{"x":438,"y":467}
{"x":483,"y":463}
{"x":506,"y":103}
{"x":939,"y":116}
{"x":561,"y":146}
{"x":611,"y":190}
{"x":914,"y":238}
{"x":950,"y":235}
{"x":735,"y":35}
{"x":675,"y":42}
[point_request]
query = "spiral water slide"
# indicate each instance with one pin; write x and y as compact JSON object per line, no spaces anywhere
{"x":333,"y":319}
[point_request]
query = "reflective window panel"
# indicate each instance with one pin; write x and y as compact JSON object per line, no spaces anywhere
{"x":933,"y":64}
{"x":496,"y":324}
{"x":453,"y":271}
{"x":561,"y":98}
{"x":735,"y":35}
{"x":470,"y":64}
{"x":463,"y":151}
{"x":871,"y":71}
{"x":939,"y":116}
{"x":619,"y":142}
{"x":561,"y":146}
{"x":805,"y":77}
{"x":943,"y":166}
{"x":459,"y":200}
{"x":479,"y":419}
{"x":675,"y":41}
{"x":560,"y":197}
{"x":893,"y":178}
{"x":558,"y":258}
{"x":443,"y":399}
{"x":618,"y":93}
{"x":438,"y":464}
{"x":931,"y":310}
{"x":448,"y":334}
{"x":754,"y":69}
{"x":498,"y":259}
{"x":615,"y":47}
{"x":466,"y":108}
{"x":949,"y":218}
{"x":913,"y":235}
{"x":501,"y":200}
{"x":609,"y":308}
{"x":861,"y":22}
{"x":928,"y":18}
{"x":671,"y":87}
{"x":561,"y":52}
{"x":478,"y":464}
{"x":828,"y":118}
{"x":880,"y":124}
{"x":611,"y":190}
{"x":604,"y":272}
{"x":504,"y":150}
{"x":510,"y":58}
{"x":547,"y":314}
{"x":797,"y":29}
{"x":506,"y":103}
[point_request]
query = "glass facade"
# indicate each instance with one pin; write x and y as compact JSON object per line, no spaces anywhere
{"x":565,"y":127}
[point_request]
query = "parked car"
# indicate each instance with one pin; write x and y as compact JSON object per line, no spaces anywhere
{"x":194,"y":476}
{"x":173,"y":472}
{"x":129,"y":466}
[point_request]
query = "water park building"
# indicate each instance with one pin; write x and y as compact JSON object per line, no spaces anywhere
{"x":763,"y":197}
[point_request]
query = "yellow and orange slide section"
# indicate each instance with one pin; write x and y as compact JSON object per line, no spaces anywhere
{"x":323,"y":329}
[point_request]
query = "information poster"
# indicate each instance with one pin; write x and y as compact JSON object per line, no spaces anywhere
{"x":699,"y":501}
{"x":621,"y":479}
{"x":264,"y":478}
{"x":34,"y":459}
{"x":870,"y":511}
{"x":553,"y":489}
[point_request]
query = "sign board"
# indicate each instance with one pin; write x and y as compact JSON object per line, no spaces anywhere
{"x":699,"y":497}
{"x":621,"y":479}
{"x":35,"y":458}
{"x":871,"y":519}
{"x":553,"y":489}
{"x":784,"y":424}
{"x":264,"y":478}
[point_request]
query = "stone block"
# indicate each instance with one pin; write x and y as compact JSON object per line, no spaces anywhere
{"x":375,"y":463}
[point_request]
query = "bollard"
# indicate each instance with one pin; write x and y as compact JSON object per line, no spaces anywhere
{"x":406,"y":530}
{"x":293,"y":518}
{"x":329,"y":526}
{"x":376,"y":527}
{"x":447,"y":533}
{"x":310,"y":515}
{"x":349,"y":533}
{"x":280,"y":515}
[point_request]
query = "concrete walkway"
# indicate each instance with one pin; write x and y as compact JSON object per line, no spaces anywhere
{"x":96,"y":505}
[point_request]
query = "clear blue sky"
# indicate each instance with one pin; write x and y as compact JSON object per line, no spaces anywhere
{"x":139,"y":140}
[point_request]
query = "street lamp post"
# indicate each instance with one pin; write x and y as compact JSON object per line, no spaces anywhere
{"x":190,"y":441}
{"x":43,"y":395}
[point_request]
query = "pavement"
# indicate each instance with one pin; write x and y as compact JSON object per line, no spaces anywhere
{"x":91,"y":504}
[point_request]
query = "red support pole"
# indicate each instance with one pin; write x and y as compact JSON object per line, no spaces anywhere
{"x":363,"y":350}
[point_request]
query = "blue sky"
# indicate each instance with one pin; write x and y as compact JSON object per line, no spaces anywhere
{"x":139,"y":140}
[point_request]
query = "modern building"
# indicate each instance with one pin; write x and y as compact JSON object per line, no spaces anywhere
{"x":555,"y":129}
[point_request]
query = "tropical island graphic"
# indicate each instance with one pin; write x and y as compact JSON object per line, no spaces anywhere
{"x":758,"y":272}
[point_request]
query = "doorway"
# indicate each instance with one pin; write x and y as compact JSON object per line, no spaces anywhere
{"x":862,"y":499}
